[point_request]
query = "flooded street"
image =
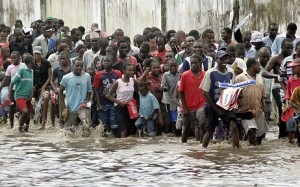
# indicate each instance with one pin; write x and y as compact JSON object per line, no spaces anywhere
{"x":49,"y":158}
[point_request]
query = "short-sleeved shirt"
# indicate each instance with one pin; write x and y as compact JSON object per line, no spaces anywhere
{"x":193,"y":95}
{"x":212,"y":77}
{"x":252,"y":94}
{"x":103,"y":82}
{"x":284,"y":71}
{"x":170,"y":82}
{"x":154,"y":85}
{"x":12,"y":69}
{"x":148,"y":104}
{"x":207,"y":64}
{"x":251,"y":53}
{"x":77,"y":88}
{"x":291,"y":85}
{"x":40,"y":74}
{"x":58,"y":74}
{"x":25,"y":46}
{"x":23,"y":81}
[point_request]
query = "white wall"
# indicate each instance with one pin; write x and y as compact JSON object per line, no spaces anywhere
{"x":134,"y":15}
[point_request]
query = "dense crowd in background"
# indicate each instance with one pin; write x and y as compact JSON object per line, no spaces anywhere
{"x":158,"y":82}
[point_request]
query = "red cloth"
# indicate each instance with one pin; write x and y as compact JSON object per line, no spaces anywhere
{"x":193,"y":95}
{"x":291,"y":85}
{"x":154,"y":85}
{"x":160,"y":54}
{"x":23,"y":103}
{"x":132,"y":109}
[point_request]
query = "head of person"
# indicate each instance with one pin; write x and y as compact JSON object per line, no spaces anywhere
{"x":173,"y":42}
{"x":146,"y":31}
{"x":48,"y":31}
{"x":291,"y":30}
{"x":160,"y":43}
{"x":108,"y":62}
{"x":155,"y":67}
{"x":287,"y":47}
{"x":173,"y":66}
{"x":91,"y":71}
{"x":63,"y":47}
{"x":147,"y":63}
{"x":190,"y":40}
{"x":28,"y":60}
{"x":55,"y":24}
{"x":180,"y":35}
{"x":226,"y":34}
{"x":82,"y":30}
{"x":95,"y":38}
{"x":231,"y":52}
{"x":198,"y":48}
{"x":210,"y":52}
{"x":75,"y":35}
{"x":143,"y":88}
{"x":15,"y":57}
{"x":123,"y":47}
{"x":5,"y":52}
{"x":151,"y":39}
{"x":144,"y":50}
{"x":112,"y":50}
{"x":256,"y":40}
{"x":138,"y":40}
{"x":128,"y":70}
{"x":18,"y":32}
{"x":38,"y":53}
{"x":209,"y":36}
{"x":221,"y":59}
{"x":240,"y":50}
{"x":41,"y":27}
{"x":246,"y":39}
{"x":273,"y":30}
{"x":119,"y":33}
{"x":94,"y":26}
{"x":87,"y":41}
{"x":18,"y":24}
{"x":78,"y":66}
{"x":195,"y":34}
{"x":264,"y":55}
{"x":295,"y":65}
{"x":64,"y":58}
{"x":169,"y":55}
{"x":253,"y":65}
{"x":196,"y":63}
{"x":183,"y":46}
{"x":67,"y":41}
{"x":80,"y":49}
{"x":103,"y":43}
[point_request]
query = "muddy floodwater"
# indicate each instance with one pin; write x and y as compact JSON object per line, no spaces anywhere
{"x":50,"y":158}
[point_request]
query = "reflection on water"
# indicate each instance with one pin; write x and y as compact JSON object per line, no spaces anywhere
{"x":49,"y":158}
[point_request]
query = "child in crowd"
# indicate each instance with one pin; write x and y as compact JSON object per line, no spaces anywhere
{"x":23,"y":83}
{"x":124,"y":89}
{"x":169,"y":82}
{"x":148,"y":108}
{"x":103,"y":82}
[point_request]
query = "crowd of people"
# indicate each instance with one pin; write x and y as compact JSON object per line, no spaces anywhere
{"x":161,"y":82}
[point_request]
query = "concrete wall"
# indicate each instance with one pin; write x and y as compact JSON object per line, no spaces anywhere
{"x":134,"y":15}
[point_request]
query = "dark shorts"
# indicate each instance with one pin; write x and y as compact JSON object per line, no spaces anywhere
{"x":123,"y":119}
{"x":212,"y":118}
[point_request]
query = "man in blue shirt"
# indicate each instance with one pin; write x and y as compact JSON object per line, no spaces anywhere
{"x":78,"y":88}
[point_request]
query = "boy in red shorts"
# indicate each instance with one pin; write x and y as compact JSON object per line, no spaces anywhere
{"x":23,"y":82}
